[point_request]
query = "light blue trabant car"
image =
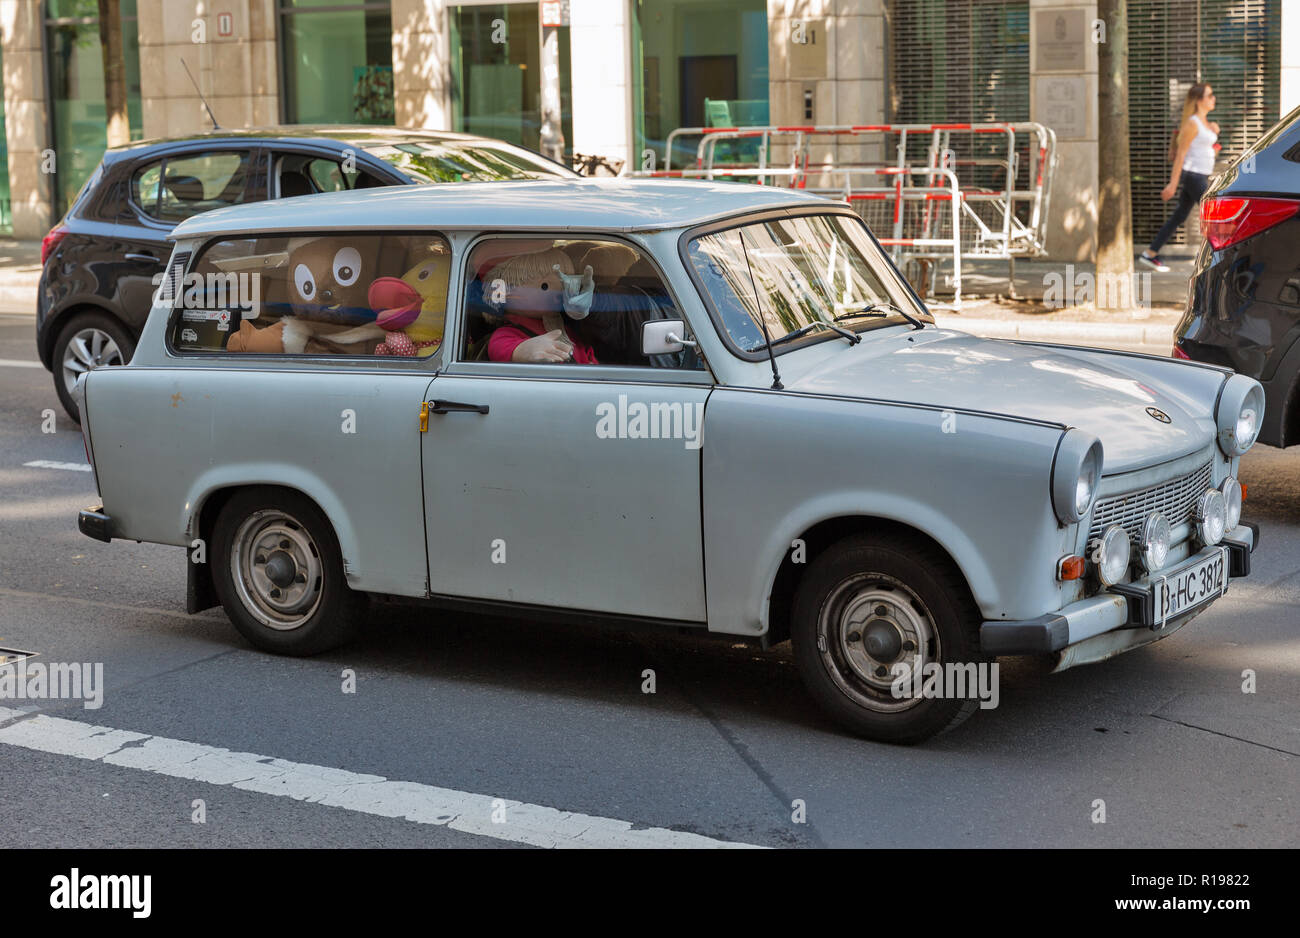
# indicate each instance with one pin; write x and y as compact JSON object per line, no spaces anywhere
{"x":656,"y":402}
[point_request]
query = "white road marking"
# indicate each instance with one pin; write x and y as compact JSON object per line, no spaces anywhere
{"x":16,"y":363}
{"x":50,"y":464}
{"x":524,"y":823}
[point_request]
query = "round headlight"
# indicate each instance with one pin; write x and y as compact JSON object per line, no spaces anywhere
{"x":1211,"y":516}
{"x":1086,"y":486}
{"x":1110,"y":555}
{"x":1247,"y":427}
{"x":1231,"y":490}
{"x":1154,"y":545}
{"x":1239,"y":414}
{"x":1075,"y":475}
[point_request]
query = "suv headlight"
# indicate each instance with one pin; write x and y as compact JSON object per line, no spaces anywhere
{"x":1239,"y":414}
{"x":1110,"y":555}
{"x":1075,"y":475}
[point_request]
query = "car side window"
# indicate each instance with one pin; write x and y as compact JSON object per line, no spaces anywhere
{"x":181,"y":186}
{"x":338,"y":294}
{"x":576,"y":300}
{"x":303,"y":174}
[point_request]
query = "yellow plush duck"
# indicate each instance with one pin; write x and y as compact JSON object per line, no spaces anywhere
{"x":412,"y":308}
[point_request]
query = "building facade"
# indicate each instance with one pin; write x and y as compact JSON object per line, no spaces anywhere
{"x":630,"y":71}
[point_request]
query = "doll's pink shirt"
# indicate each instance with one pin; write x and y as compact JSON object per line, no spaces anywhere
{"x":504,"y":341}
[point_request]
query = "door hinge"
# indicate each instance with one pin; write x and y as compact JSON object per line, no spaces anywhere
{"x":424,"y":416}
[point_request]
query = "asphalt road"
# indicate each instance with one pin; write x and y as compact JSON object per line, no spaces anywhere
{"x":550,"y":716}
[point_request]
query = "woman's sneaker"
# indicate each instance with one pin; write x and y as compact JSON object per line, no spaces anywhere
{"x":1154,"y":262}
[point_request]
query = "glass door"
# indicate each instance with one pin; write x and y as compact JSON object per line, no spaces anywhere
{"x":75,"y":67}
{"x":496,"y":73}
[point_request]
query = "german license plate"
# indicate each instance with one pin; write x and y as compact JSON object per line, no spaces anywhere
{"x":1187,"y":588}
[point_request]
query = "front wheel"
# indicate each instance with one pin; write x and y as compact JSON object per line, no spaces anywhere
{"x":872,"y":618}
{"x":279,"y":574}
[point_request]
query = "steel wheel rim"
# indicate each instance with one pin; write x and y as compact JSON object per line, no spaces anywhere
{"x":872,"y":622}
{"x":89,"y":348}
{"x":277,"y":569}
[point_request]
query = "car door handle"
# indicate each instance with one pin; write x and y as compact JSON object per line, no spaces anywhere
{"x":143,"y":257}
{"x":448,"y":407}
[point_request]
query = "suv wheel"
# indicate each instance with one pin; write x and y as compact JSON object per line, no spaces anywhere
{"x":89,"y":341}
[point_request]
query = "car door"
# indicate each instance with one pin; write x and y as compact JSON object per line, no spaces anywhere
{"x":564,"y":485}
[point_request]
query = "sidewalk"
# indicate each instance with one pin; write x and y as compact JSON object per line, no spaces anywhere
{"x":20,"y":273}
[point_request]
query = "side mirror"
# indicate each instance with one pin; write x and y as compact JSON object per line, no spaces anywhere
{"x":663,"y":337}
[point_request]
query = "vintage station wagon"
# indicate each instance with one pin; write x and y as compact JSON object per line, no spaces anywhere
{"x":678,"y":403}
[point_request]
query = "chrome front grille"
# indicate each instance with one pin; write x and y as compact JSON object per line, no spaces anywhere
{"x":1175,"y":498}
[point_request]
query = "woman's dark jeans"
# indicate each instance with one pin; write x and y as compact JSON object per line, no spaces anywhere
{"x":1191,"y":186}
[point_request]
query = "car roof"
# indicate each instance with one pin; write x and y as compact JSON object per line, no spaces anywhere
{"x":550,"y":204}
{"x":361,"y":135}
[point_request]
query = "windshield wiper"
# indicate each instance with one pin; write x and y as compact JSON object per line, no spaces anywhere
{"x":882,"y":309}
{"x":849,"y":334}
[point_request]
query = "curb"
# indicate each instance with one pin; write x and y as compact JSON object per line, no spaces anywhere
{"x":1118,"y":333}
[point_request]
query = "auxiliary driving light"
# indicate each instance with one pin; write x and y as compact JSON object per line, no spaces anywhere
{"x":1232,"y":494}
{"x":1154,"y":543}
{"x":1211,"y":517}
{"x":1110,"y":554}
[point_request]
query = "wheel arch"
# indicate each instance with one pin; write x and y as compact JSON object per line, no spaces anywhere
{"x":200,"y":590}
{"x":818,"y":538}
{"x":60,"y":318}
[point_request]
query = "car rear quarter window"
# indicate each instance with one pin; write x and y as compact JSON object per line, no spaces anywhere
{"x":318,"y":295}
{"x":178,"y":187}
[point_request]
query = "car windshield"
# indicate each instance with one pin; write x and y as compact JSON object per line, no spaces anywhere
{"x":432,"y":161}
{"x":792,"y":272}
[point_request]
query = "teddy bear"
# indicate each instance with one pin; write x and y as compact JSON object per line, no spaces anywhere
{"x":412,"y":308}
{"x":535,"y":292}
{"x":327,"y":285}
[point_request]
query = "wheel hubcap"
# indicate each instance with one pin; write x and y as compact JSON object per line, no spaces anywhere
{"x":872,"y":627}
{"x":277,"y":569}
{"x":90,"y":348}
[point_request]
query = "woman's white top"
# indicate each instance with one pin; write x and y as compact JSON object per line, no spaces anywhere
{"x":1200,"y":155}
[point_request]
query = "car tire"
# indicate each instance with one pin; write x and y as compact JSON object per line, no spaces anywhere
{"x":278,"y":573}
{"x":86,"y":342}
{"x":867,"y":604}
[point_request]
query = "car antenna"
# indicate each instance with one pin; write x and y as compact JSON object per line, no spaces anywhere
{"x":211,"y":116}
{"x":762,"y":320}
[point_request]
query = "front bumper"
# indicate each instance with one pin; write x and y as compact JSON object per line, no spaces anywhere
{"x":1127,"y":606}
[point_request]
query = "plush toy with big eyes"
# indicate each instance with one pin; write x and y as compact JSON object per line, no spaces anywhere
{"x":329,"y":278}
{"x":535,"y":292}
{"x":412,"y":309}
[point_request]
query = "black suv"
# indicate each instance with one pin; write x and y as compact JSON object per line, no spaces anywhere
{"x":1243,"y":302}
{"x":102,"y":259}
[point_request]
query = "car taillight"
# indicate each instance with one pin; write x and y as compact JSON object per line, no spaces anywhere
{"x":1229,"y":219}
{"x":51,"y":241}
{"x":1179,"y":353}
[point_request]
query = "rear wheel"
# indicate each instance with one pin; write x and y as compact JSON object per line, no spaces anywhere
{"x":89,"y":341}
{"x":279,"y":574}
{"x":871,"y":612}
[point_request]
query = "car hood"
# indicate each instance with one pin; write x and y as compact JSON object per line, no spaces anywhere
{"x":949,"y":369}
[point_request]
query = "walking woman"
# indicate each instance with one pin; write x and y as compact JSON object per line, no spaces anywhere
{"x":1193,"y":162}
